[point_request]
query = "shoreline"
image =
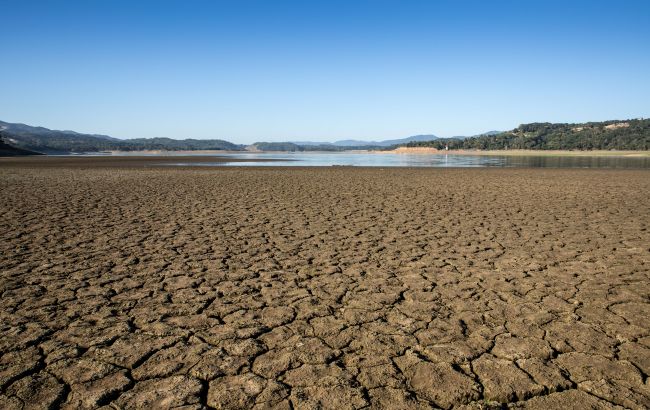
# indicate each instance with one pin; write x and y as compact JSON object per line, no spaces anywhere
{"x":521,"y":152}
{"x":400,"y":150}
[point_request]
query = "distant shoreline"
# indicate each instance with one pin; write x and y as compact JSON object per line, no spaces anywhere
{"x":521,"y":152}
{"x":399,"y":150}
{"x":170,"y":152}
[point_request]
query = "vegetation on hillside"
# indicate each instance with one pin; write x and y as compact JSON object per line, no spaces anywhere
{"x":8,"y":150}
{"x":44,"y":140}
{"x":607,"y":135}
{"x":169,"y":144}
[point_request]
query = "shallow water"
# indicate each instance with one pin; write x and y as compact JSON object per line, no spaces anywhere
{"x":363,"y":159}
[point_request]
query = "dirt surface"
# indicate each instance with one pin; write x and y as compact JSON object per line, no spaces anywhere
{"x":115,"y":161}
{"x":323,"y":288}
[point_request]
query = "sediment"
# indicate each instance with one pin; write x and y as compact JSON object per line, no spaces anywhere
{"x":137,"y":287}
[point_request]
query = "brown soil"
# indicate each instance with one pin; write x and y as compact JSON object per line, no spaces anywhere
{"x":114,"y":161}
{"x":323,"y":287}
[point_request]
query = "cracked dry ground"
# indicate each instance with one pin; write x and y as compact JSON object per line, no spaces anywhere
{"x":324,"y":288}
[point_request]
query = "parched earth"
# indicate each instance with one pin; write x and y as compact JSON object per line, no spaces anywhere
{"x":324,"y":288}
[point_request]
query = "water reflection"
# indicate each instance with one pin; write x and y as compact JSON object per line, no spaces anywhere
{"x":365,"y":159}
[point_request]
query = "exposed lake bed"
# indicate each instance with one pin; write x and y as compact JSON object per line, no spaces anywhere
{"x":336,"y":286}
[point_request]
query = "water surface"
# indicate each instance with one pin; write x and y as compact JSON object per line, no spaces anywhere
{"x":366,"y":159}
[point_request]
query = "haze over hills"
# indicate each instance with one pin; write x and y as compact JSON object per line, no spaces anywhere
{"x":361,"y":143}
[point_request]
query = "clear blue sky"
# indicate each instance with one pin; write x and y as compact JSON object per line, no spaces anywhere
{"x":321,"y":70}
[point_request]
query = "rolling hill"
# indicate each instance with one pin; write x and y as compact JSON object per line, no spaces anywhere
{"x":7,"y":150}
{"x":49,"y":141}
{"x":633,"y":134}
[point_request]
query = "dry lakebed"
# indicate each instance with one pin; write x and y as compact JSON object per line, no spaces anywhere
{"x":129,"y":285}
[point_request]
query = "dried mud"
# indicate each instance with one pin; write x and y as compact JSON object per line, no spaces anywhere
{"x":323,"y":288}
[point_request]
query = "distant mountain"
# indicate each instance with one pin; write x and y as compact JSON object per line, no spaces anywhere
{"x":294,"y":147}
{"x":48,"y":141}
{"x":425,"y":137}
{"x":363,"y":143}
{"x":309,"y":143}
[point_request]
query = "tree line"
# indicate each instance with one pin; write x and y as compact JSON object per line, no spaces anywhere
{"x":607,"y":135}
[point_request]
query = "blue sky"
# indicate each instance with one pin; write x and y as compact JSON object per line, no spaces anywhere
{"x":247,"y":70}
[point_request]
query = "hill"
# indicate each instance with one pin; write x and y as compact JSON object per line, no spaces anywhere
{"x":607,"y":135}
{"x":189,"y":144}
{"x":49,"y":141}
{"x":7,"y":150}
